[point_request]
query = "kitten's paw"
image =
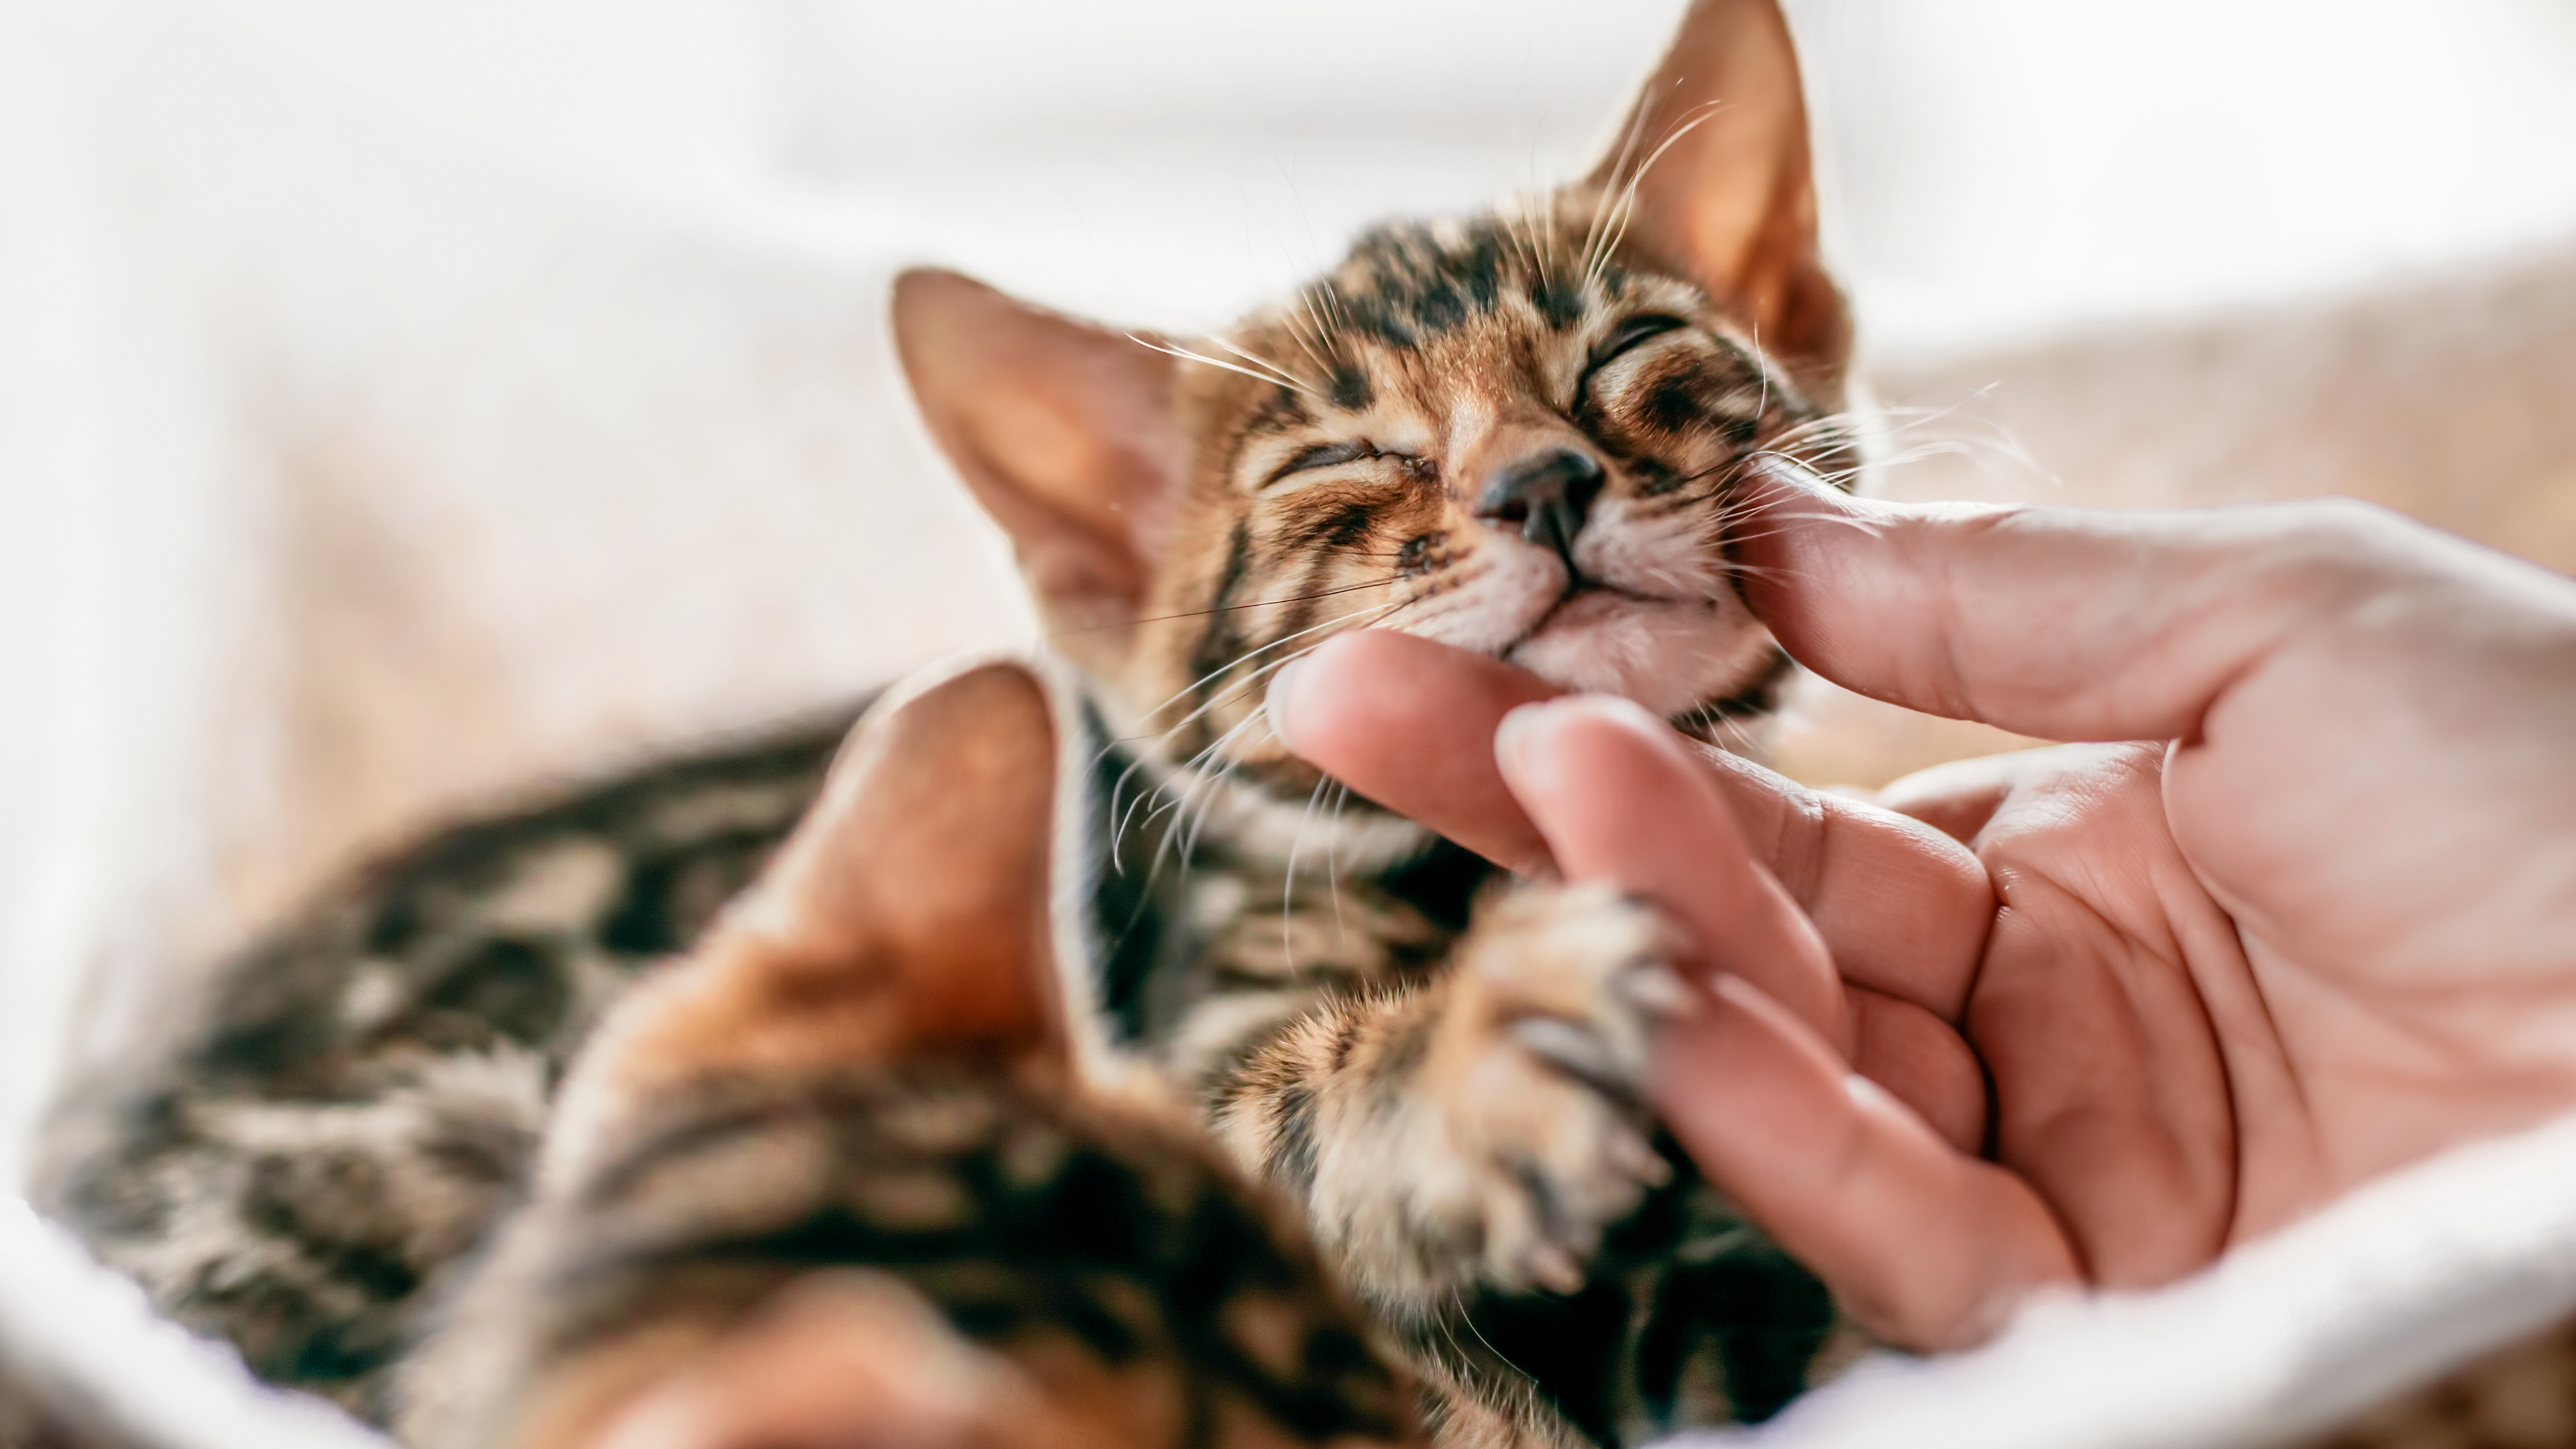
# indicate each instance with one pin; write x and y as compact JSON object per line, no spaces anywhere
{"x":1537,"y":1070}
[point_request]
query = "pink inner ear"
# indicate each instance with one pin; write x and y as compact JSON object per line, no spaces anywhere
{"x":1064,"y":431}
{"x":1716,"y":147}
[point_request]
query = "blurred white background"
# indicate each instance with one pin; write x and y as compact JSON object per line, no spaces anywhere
{"x":401,"y":400}
{"x":1992,"y":165}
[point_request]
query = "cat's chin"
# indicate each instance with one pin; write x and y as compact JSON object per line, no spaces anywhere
{"x":1669,"y":655}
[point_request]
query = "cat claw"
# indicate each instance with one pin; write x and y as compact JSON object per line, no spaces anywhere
{"x":1582,"y":1055}
{"x":1638,"y":1158}
{"x":1657,"y":990}
{"x":1554,"y":1269}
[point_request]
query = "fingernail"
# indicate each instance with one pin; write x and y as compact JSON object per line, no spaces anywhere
{"x":1512,"y":739}
{"x":1870,"y":1096}
{"x":1279,"y":701}
{"x":1737,"y":992}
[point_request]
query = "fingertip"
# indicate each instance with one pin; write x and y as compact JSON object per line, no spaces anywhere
{"x":1280,"y":699}
{"x":1534,"y":742}
{"x":1310,"y":679}
{"x":1407,"y":723}
{"x":1512,"y":737}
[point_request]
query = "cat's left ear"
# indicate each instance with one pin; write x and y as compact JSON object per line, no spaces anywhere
{"x":1065,"y":431}
{"x":1716,"y":150}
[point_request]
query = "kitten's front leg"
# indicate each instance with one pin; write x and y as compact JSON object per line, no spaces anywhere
{"x":1480,"y":1129}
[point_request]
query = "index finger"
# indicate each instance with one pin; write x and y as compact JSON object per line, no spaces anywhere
{"x":2065,"y":623}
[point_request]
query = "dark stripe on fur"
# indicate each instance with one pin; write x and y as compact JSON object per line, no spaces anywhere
{"x":1089,"y":1226}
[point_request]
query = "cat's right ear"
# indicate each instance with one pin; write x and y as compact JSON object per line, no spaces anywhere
{"x":1065,"y":431}
{"x":1712,"y":161}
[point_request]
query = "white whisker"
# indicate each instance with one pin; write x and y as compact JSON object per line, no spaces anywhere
{"x":1184,"y":352}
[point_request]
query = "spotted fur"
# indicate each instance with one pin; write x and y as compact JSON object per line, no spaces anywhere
{"x":1031,"y":1223}
{"x":1346,"y":491}
{"x":847,"y":1132}
{"x":1445,"y":1073}
{"x":363,"y":1092}
{"x":1524,"y":433}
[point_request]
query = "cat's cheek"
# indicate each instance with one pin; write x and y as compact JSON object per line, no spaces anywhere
{"x":1667,"y":655}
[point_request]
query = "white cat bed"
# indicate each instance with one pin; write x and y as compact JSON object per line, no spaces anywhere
{"x":2417,"y":1273}
{"x":83,"y":1342}
{"x":2421,"y":1271}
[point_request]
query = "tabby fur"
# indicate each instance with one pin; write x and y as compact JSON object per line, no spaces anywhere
{"x":1521,"y":434}
{"x":362,"y":1095}
{"x":847,"y":1132}
{"x":1518,"y":433}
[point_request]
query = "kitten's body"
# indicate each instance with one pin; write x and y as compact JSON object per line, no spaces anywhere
{"x":363,"y":1092}
{"x":365,"y":1102}
{"x":836,"y":1170}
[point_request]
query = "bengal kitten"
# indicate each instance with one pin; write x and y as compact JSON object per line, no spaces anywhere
{"x":1519,"y":433}
{"x":835,"y":1169}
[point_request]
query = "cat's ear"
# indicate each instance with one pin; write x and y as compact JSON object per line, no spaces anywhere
{"x":916,"y":890}
{"x":1716,"y":150}
{"x":906,"y":919}
{"x":1065,"y":431}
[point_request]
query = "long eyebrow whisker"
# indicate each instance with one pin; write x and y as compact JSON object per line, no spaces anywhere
{"x":1626,"y":211}
{"x":1593,"y":230}
{"x":1183,"y":352}
{"x":1278,"y":374}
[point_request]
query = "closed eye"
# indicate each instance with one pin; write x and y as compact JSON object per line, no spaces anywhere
{"x":1324,"y":455}
{"x":1626,"y":335}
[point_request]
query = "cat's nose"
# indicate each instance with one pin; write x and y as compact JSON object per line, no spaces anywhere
{"x":1547,"y":494}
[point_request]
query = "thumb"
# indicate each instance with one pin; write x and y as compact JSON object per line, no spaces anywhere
{"x":2070,"y":624}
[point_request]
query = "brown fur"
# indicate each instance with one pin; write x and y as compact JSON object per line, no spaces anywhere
{"x":1171,"y":558}
{"x":908,"y":918}
{"x":1517,"y":432}
{"x":1458,"y":1112}
{"x":867,"y":1039}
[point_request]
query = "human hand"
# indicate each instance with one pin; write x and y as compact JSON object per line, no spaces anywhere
{"x":2327,"y":929}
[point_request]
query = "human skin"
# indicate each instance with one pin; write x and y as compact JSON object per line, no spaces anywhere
{"x":2298,"y":909}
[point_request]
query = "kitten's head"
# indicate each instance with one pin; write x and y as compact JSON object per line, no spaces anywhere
{"x":1521,"y":433}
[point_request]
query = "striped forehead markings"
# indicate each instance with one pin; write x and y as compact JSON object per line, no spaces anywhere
{"x":1406,"y":282}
